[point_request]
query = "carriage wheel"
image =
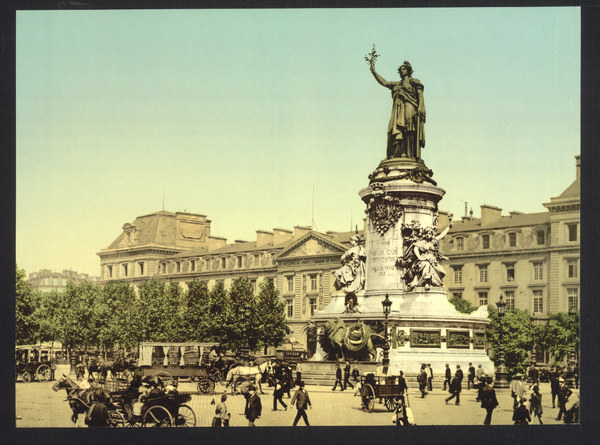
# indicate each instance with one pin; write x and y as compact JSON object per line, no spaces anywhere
{"x":26,"y":376}
{"x":164,"y":376}
{"x":368,"y":395}
{"x":185,"y":417}
{"x":206,"y":386}
{"x":43,"y":373}
{"x":116,"y":419}
{"x":157,"y":416}
{"x":390,"y":404}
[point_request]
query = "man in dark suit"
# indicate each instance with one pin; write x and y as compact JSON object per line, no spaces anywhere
{"x":347,"y":376}
{"x":302,"y":402}
{"x":487,"y":395}
{"x":448,"y":376}
{"x":459,"y":374}
{"x":471,"y":376}
{"x":253,"y":406}
{"x":422,"y":379}
{"x":563,"y":395}
{"x":456,"y":385}
{"x":338,"y":378}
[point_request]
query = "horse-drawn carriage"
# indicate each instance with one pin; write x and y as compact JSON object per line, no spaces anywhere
{"x":34,"y":363}
{"x":172,"y":361}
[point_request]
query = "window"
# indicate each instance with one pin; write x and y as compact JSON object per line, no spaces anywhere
{"x":141,"y":267}
{"x":223,"y":263}
{"x":313,"y":282}
{"x":460,"y":243}
{"x":457,"y":274}
{"x":538,"y":271}
{"x":239,"y":261}
{"x":257,"y":260}
{"x":541,"y":237}
{"x":178,"y":266}
{"x":538,"y":301}
{"x":192,"y":265}
{"x":572,"y":229}
{"x":109,"y":269}
{"x":572,"y":268}
{"x":510,"y":272}
{"x":512,"y":239}
{"x":313,"y":306}
{"x":456,"y":294}
{"x":290,"y":308}
{"x":290,"y":284}
{"x":510,"y":299}
{"x":483,"y":298}
{"x":207,"y":263}
{"x":253,"y":283}
{"x":572,"y":298}
{"x":164,"y":267}
{"x":483,"y":273}
{"x":485,"y":240}
{"x":124,"y":270}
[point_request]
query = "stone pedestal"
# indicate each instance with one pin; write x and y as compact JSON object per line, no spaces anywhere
{"x":423,"y":326}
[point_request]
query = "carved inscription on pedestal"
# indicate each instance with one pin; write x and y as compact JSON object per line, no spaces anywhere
{"x":425,"y":339}
{"x":458,"y":339}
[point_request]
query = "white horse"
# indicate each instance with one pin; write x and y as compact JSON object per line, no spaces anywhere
{"x":238,"y":374}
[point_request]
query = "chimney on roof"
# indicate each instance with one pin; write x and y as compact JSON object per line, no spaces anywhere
{"x":216,"y":242}
{"x":514,"y":212}
{"x":490,"y":214}
{"x":300,"y":231}
{"x":263,"y":238}
{"x":281,"y":235}
{"x":577,"y":166}
{"x":444,"y":219}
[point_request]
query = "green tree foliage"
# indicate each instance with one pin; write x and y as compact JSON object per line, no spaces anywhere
{"x":243,"y":317}
{"x":75,"y":315}
{"x":559,"y":336}
{"x":272,"y":324}
{"x":462,"y":305}
{"x":115,"y":316}
{"x":517,"y":338}
{"x":218,"y":315}
{"x":47,"y":313}
{"x":26,"y":323}
{"x":158,"y":311}
{"x":195,"y":319}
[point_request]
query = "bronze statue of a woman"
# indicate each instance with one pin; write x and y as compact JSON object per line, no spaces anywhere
{"x":406,"y":130}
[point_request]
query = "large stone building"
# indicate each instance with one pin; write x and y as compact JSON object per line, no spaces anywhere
{"x":47,"y":280}
{"x":532,"y":259}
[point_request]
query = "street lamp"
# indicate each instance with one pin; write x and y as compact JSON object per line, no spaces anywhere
{"x":570,"y":377}
{"x":532,"y":359}
{"x":245,"y":316}
{"x":501,"y":373}
{"x":387,"y":305}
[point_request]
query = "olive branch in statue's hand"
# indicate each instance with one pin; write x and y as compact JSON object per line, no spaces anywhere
{"x":371,"y":58}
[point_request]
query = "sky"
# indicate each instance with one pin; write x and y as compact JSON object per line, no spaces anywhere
{"x":265,"y":119}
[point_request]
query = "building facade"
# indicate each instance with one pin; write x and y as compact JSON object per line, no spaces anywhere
{"x":531,"y":259}
{"x":46,"y":280}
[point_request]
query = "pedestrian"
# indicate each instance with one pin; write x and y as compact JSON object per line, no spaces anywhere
{"x":253,"y":406}
{"x":97,"y":415}
{"x":448,"y":376}
{"x":338,"y":378}
{"x":521,"y":413}
{"x":402,"y":386}
{"x":429,"y":377}
{"x":459,"y":374}
{"x":355,"y":374}
{"x":554,"y":385}
{"x":221,"y":414}
{"x":487,"y":395}
{"x":471,"y":376}
{"x":563,"y":395}
{"x":422,"y":379}
{"x":347,"y":376}
{"x":298,"y":372}
{"x":455,"y":389}
{"x":278,"y":396}
{"x":517,"y":389}
{"x":535,"y":403}
{"x":302,"y":402}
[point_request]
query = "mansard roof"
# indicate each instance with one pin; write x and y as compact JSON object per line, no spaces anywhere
{"x":504,"y":222}
{"x":157,"y":228}
{"x":573,"y":191}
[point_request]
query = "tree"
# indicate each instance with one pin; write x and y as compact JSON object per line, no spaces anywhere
{"x":195,"y":315}
{"x":47,"y":314}
{"x":75,"y":315}
{"x":115,"y":316}
{"x":243,"y":317}
{"x":26,"y":324}
{"x":517,"y":338}
{"x":462,"y":305}
{"x":158,"y":311}
{"x":272,"y":324}
{"x":559,"y":336}
{"x":219,"y":315}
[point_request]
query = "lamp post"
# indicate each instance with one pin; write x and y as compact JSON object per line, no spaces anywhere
{"x":572,"y":360}
{"x":387,"y":305}
{"x":533,"y":353}
{"x":501,"y":374}
{"x":245,"y":350}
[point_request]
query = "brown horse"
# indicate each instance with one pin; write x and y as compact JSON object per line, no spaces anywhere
{"x":80,"y":399}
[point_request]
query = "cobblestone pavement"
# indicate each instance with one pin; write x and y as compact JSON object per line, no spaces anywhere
{"x":38,"y":406}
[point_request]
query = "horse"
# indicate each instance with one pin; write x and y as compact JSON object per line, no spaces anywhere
{"x":246,"y":373}
{"x":101,"y":367}
{"x":79,"y":398}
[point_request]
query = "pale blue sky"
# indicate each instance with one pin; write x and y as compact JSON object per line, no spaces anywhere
{"x":238,"y":114}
